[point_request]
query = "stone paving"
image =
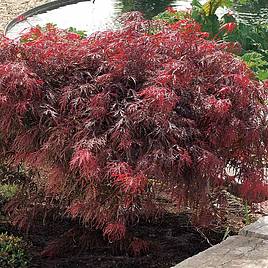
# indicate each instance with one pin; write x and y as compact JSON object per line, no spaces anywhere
{"x":258,"y":229}
{"x":249,"y":249}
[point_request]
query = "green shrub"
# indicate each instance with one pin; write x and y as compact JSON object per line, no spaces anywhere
{"x":82,"y":34}
{"x":171,"y":15}
{"x":250,"y":36}
{"x":7,"y":191}
{"x":258,"y":63}
{"x":12,"y":252}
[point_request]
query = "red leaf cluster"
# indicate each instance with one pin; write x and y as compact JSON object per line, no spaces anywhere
{"x":106,"y":115}
{"x":229,"y":27}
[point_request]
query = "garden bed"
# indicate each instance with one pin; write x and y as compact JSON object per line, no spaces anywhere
{"x":172,"y":238}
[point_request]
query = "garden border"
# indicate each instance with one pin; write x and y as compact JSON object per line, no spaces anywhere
{"x":41,"y":9}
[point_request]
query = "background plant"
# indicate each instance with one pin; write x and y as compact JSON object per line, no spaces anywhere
{"x":251,"y":37}
{"x":7,"y":191}
{"x":12,"y":252}
{"x":171,"y":15}
{"x":257,"y":62}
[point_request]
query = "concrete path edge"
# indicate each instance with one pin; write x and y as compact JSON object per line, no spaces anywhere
{"x":248,"y":249}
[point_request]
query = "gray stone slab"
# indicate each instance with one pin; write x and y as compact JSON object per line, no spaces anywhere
{"x":249,"y":249}
{"x":258,"y":229}
{"x":235,"y":252}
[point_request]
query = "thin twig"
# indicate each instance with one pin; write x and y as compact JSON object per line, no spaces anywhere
{"x":203,"y":235}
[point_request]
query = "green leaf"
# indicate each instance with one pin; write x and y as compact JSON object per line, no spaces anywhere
{"x":262,"y":75}
{"x":211,"y":6}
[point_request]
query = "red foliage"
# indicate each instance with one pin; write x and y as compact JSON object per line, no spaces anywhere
{"x":106,"y":115}
{"x":115,"y":231}
{"x":86,"y":163}
{"x":228,"y":27}
{"x":138,"y":246}
{"x":171,"y":10}
{"x":20,"y":18}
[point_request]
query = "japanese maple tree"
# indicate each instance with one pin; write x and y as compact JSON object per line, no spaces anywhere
{"x":111,"y":119}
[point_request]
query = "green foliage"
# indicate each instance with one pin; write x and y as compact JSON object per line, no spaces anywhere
{"x":36,"y":32}
{"x":251,"y":37}
{"x":226,"y":233}
{"x":7,"y":191}
{"x":171,"y":17}
{"x":247,"y":218}
{"x":262,"y":75}
{"x":210,"y":7}
{"x":254,"y":60}
{"x":12,"y":252}
{"x":206,"y":16}
{"x":257,"y":62}
{"x":82,"y":34}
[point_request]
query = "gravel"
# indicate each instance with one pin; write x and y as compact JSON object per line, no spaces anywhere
{"x":10,"y":9}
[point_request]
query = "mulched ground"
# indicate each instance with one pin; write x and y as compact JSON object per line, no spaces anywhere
{"x":172,"y":238}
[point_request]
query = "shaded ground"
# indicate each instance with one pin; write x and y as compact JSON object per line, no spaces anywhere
{"x":172,"y":238}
